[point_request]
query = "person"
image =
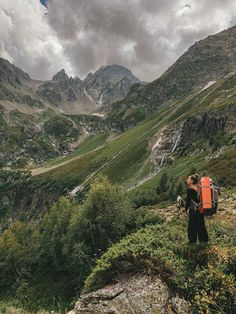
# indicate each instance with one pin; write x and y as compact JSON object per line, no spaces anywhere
{"x":196,"y":223}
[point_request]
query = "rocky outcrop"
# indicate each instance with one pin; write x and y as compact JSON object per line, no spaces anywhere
{"x":11,"y":74}
{"x":192,"y":135}
{"x":60,"y":89}
{"x":60,"y":76}
{"x":63,"y":93}
{"x":109,"y":83}
{"x":140,"y":294}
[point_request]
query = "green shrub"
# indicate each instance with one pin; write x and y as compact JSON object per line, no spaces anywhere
{"x":104,"y":216}
{"x":47,"y":262}
{"x":204,"y":274}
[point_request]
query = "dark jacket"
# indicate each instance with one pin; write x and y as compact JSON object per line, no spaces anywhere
{"x":196,"y":222}
{"x":192,"y":198}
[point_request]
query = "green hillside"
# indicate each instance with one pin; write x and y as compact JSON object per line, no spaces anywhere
{"x":206,"y":61}
{"x":126,"y":159}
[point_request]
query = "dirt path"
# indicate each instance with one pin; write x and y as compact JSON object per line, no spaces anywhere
{"x":43,"y":169}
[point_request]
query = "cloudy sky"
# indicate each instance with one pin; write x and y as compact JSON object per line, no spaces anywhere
{"x":81,"y":35}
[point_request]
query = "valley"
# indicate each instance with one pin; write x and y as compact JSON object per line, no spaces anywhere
{"x":90,"y":172}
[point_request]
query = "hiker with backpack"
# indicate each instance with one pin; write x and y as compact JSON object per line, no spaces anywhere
{"x":196,"y":222}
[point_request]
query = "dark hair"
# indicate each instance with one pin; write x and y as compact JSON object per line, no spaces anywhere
{"x":195,"y":178}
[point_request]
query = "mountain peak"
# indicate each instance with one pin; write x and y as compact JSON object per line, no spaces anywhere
{"x":12,"y":74}
{"x":60,"y":76}
{"x":115,"y":69}
{"x":109,"y":83}
{"x":114,"y":72}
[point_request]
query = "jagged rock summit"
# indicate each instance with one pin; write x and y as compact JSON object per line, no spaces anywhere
{"x":109,"y":83}
{"x":60,"y":76}
{"x":11,"y":74}
{"x":65,"y":94}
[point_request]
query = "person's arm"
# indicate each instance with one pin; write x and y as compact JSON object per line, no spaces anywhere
{"x":188,"y":200}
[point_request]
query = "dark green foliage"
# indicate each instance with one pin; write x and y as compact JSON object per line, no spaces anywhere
{"x":163,"y":185}
{"x":52,"y":266}
{"x":180,"y":189}
{"x":219,"y":140}
{"x":49,"y":260}
{"x":193,"y":170}
{"x":143,"y":216}
{"x":61,"y":127}
{"x":199,"y":272}
{"x":104,"y":216}
{"x":167,"y":190}
{"x":144,"y":198}
{"x":10,"y":181}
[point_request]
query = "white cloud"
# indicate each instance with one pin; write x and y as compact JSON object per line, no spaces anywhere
{"x":80,"y":35}
{"x":27,"y":40}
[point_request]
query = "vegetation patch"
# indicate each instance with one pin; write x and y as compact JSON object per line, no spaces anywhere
{"x":204,"y":274}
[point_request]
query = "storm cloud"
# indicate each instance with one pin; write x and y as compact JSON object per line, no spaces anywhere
{"x":80,"y":35}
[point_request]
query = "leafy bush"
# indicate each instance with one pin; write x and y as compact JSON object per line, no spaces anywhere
{"x":104,"y":215}
{"x":46,"y":263}
{"x":204,"y":274}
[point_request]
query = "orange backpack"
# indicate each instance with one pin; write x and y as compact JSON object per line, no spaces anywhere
{"x":208,"y":197}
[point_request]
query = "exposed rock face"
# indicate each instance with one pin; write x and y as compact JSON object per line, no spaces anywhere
{"x":60,"y":89}
{"x":139,"y":294}
{"x":109,"y":83}
{"x":209,"y":124}
{"x":11,"y":74}
{"x":63,"y":93}
{"x":60,"y":76}
{"x":187,"y":133}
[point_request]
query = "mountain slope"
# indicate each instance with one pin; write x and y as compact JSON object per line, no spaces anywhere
{"x":206,"y":61}
{"x":179,"y":130}
{"x":109,"y":83}
{"x":62,"y":93}
{"x":11,"y":74}
{"x":199,"y":126}
{"x":28,"y":139}
{"x":194,"y":132}
{"x":42,"y":120}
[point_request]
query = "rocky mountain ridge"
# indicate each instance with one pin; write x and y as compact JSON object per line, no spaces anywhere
{"x":208,"y":60}
{"x":12,"y":74}
{"x":63,"y":93}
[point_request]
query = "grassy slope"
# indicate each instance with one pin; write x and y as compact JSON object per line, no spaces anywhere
{"x":126,"y":158}
{"x":90,"y":143}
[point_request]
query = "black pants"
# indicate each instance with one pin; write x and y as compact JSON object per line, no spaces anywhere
{"x":196,"y":227}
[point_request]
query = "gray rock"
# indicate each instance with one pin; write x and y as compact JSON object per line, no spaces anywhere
{"x":60,"y":76}
{"x":140,"y":294}
{"x":168,"y":143}
{"x":12,"y":74}
{"x":109,"y":83}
